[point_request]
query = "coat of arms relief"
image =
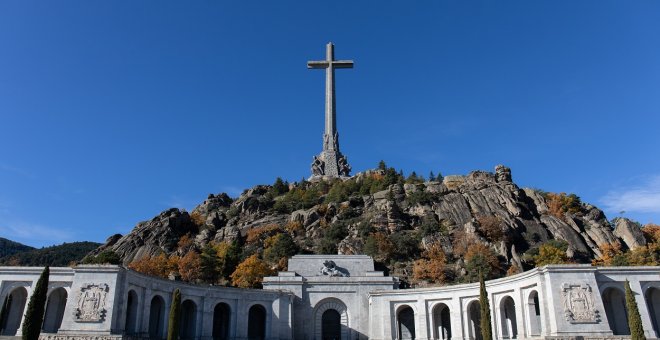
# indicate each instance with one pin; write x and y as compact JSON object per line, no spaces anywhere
{"x":91,"y":302}
{"x":578,"y":303}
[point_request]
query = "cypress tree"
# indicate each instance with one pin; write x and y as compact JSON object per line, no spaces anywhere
{"x":175,"y":316}
{"x":486,"y":331}
{"x":4,"y":314}
{"x":634,"y":320}
{"x":34,"y":316}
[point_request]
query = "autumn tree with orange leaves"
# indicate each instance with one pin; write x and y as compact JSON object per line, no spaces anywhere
{"x":250,"y":273}
{"x":431,"y":268}
{"x":160,"y":266}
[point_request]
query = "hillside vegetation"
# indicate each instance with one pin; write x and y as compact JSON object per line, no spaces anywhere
{"x":8,"y":247}
{"x":433,"y":231}
{"x":55,"y":256}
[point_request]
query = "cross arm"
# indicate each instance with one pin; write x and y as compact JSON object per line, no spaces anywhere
{"x":317,"y":64}
{"x":342,"y":64}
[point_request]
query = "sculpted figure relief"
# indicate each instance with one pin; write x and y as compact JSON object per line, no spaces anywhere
{"x":578,"y":303}
{"x":344,"y":168}
{"x":317,"y":167}
{"x":91,"y":303}
{"x":330,"y":268}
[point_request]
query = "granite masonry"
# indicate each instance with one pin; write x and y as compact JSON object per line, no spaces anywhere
{"x":331,"y":163}
{"x":334,"y":297}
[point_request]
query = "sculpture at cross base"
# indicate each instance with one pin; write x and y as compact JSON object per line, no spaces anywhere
{"x":331,"y":162}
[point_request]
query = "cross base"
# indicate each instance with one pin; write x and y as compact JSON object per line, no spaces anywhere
{"x":330,"y":163}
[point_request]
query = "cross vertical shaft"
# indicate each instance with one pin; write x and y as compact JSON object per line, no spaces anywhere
{"x":330,"y":113}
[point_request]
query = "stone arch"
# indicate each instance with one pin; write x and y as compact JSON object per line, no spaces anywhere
{"x":157,"y":317}
{"x":474,"y":319}
{"x":405,"y":322}
{"x":441,"y":322}
{"x":188,"y":323}
{"x":508,"y":324}
{"x":257,"y":322}
{"x":331,"y":304}
{"x":54,"y":310}
{"x":534,"y":326}
{"x":615,"y":309}
{"x":12,"y":311}
{"x":652,"y":298}
{"x":130,"y":327}
{"x":221,"y":321}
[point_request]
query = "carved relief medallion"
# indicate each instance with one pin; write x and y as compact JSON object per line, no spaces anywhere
{"x":578,"y":303}
{"x":91,"y":302}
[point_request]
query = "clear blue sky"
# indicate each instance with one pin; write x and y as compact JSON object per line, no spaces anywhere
{"x":112,"y":111}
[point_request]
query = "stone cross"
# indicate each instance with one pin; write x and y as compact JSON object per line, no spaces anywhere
{"x":331,"y":163}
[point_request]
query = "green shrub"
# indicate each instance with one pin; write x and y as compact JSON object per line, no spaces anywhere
{"x":279,"y":246}
{"x":406,"y":245}
{"x":105,"y":257}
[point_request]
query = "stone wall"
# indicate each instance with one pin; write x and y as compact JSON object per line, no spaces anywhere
{"x":346,"y":297}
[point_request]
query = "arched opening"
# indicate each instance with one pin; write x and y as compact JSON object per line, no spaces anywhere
{"x":652,"y":298}
{"x":221,"y":317}
{"x":615,"y":309}
{"x":12,"y":311}
{"x":508,"y":318}
{"x":405,"y":318}
{"x":331,"y":325}
{"x":54,"y":310}
{"x":131,"y":313}
{"x":534,"y":314}
{"x":156,"y":317}
{"x":188,"y":320}
{"x":441,"y":322}
{"x":474,"y":319}
{"x":257,"y":323}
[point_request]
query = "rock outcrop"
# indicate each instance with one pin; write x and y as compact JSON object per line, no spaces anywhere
{"x":629,"y":232}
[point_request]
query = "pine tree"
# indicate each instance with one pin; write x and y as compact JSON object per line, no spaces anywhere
{"x":486,"y":331}
{"x":279,"y":187}
{"x":4,"y":312}
{"x":175,"y":316}
{"x":34,"y":316}
{"x":431,"y":177}
{"x":634,"y":319}
{"x":209,"y":264}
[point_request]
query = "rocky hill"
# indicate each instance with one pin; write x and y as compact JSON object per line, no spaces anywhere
{"x":395,"y":219}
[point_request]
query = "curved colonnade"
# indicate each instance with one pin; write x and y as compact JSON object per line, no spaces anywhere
{"x":547,"y":302}
{"x":538,"y":304}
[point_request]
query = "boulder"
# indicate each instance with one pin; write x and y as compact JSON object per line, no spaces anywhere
{"x":452,"y":182}
{"x":305,"y":217}
{"x":562,"y":231}
{"x":629,"y":232}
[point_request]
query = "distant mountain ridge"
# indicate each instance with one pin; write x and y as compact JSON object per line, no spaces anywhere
{"x":9,"y":247}
{"x":16,"y":254}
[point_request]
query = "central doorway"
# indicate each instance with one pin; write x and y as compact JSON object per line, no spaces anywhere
{"x":331,"y":325}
